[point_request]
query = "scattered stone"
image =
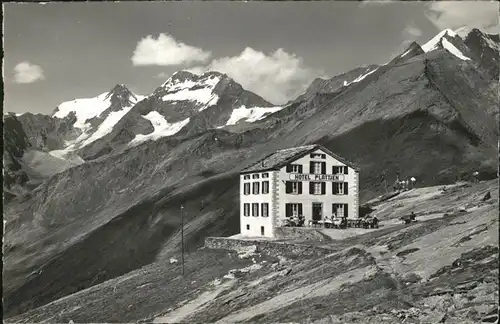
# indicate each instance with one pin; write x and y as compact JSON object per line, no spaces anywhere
{"x":434,"y":317}
{"x":246,"y":251}
{"x":466,"y":286}
{"x":405,"y":252}
{"x":490,"y":319}
{"x":173,"y":260}
{"x":487,"y":196}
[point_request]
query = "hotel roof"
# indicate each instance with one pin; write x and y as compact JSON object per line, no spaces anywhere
{"x":280,"y":158}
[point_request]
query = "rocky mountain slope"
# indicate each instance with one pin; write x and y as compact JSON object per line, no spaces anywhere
{"x":428,"y":114}
{"x":441,"y":269}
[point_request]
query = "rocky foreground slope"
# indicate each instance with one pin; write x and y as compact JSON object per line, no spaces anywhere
{"x":430,"y":115}
{"x":441,"y":269}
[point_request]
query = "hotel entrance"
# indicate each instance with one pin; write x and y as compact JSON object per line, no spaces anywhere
{"x":317,"y":211}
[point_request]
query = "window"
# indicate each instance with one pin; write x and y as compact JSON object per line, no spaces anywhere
{"x":246,"y":209}
{"x":255,"y":209}
{"x":293,"y":210}
{"x":262,"y":230}
{"x":293,"y":187}
{"x":294,"y":168}
{"x":317,"y":188}
{"x":255,"y":188}
{"x":255,"y":176}
{"x":317,"y":167}
{"x":246,"y":176}
{"x":265,"y":175}
{"x":340,"y":188}
{"x":246,"y":188}
{"x":340,"y":170}
{"x":340,"y":210}
{"x":264,"y":210}
{"x":265,"y":187}
{"x":318,"y":156}
{"x":248,"y":227}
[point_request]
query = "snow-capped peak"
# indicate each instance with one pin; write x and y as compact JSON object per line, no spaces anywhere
{"x":88,"y":108}
{"x":434,"y":42}
{"x":440,"y":41}
{"x":84,"y":109}
{"x":120,"y":99}
{"x":186,"y":86}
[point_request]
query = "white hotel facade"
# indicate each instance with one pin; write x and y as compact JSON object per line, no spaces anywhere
{"x":308,"y":180}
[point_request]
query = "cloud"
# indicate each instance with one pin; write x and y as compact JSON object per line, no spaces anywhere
{"x":278,"y":76}
{"x":26,"y":72}
{"x":412,"y":31}
{"x":162,"y":75}
{"x":165,"y":50}
{"x":455,"y":14}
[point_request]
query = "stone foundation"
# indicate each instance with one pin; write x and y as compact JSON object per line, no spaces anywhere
{"x":302,"y":233}
{"x":271,"y":248}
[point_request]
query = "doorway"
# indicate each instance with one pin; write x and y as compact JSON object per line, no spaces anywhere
{"x":317,"y":211}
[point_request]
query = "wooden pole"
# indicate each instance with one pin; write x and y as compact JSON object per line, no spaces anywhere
{"x":182,"y":238}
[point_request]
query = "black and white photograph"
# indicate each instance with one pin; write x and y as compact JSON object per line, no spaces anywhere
{"x":316,"y":162}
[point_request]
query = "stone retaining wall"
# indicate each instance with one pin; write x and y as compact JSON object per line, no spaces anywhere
{"x":303,"y":233}
{"x":271,"y":248}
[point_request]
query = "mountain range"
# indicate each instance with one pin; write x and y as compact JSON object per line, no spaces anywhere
{"x":94,"y":190}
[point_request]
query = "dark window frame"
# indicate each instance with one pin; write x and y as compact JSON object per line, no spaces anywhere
{"x":266,"y":214}
{"x":255,"y":211}
{"x":254,"y":186}
{"x":245,"y":187}
{"x":267,"y":187}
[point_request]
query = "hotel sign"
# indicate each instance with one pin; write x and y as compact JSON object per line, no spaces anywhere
{"x":316,"y":177}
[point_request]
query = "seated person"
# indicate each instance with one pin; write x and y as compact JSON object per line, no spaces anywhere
{"x":301,"y":220}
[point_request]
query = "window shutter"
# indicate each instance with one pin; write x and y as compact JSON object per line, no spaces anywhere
{"x":345,"y":211}
{"x":311,"y":187}
{"x":288,"y":210}
{"x":323,"y":167}
{"x":300,"y":168}
{"x":288,"y":168}
{"x":346,"y":170}
{"x":334,"y":188}
{"x":345,"y":188}
{"x":323,"y":188}
{"x":300,"y":209}
{"x":300,"y":188}
{"x":288,"y":185}
{"x":311,"y":167}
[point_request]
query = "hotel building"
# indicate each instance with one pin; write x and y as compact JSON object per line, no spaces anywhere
{"x":309,"y":180}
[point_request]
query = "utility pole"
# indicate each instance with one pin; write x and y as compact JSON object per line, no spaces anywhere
{"x":182,"y":238}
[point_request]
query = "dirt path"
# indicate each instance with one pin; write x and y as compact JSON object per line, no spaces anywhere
{"x":318,"y":289}
{"x":195,"y":305}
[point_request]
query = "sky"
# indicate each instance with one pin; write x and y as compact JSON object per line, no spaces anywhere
{"x":58,"y":52}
